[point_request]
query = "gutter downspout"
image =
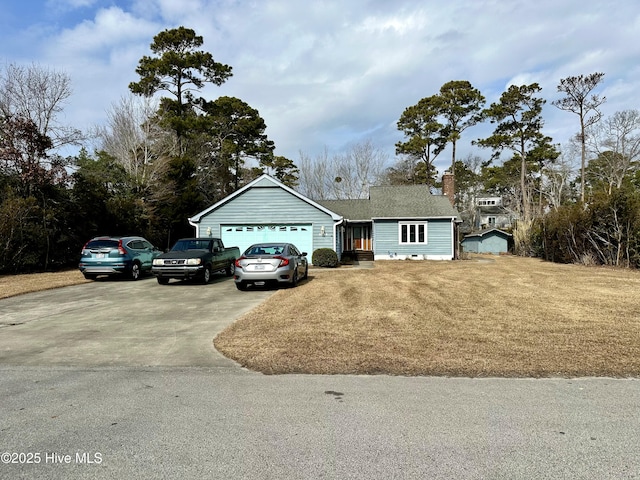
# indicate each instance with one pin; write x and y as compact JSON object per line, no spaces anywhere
{"x":196,"y":226}
{"x":335,"y":234}
{"x":455,"y":243}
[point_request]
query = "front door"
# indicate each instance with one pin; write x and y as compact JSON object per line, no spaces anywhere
{"x":360,"y":237}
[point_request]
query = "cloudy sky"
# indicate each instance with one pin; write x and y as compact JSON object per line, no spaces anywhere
{"x":326,"y":75}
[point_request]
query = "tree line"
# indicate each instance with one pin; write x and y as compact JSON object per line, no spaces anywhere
{"x":165,"y":153}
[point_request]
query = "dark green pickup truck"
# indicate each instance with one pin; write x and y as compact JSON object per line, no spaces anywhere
{"x":195,"y":258}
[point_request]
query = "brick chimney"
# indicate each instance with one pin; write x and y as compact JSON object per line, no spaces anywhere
{"x":449,"y":186}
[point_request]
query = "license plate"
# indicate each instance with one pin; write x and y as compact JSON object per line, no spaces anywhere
{"x":260,"y":267}
{"x":99,"y":255}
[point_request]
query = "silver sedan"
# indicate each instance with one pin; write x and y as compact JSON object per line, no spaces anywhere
{"x":264,"y":263}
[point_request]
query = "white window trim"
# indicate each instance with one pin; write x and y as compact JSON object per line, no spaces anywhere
{"x":426,"y":236}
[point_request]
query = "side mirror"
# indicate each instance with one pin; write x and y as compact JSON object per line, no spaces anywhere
{"x":303,"y":254}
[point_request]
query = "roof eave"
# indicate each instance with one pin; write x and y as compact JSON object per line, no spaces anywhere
{"x":420,"y":217}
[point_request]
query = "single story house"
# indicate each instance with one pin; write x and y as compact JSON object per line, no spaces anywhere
{"x":395,"y":222}
{"x":492,"y":240}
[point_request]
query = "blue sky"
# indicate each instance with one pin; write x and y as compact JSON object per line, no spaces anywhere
{"x":328,"y":74}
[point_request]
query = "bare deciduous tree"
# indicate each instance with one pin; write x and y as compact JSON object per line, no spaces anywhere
{"x":135,"y":140}
{"x":616,"y":144}
{"x":345,"y":176}
{"x":313,"y":173}
{"x":39,"y":95}
{"x":556,"y":178}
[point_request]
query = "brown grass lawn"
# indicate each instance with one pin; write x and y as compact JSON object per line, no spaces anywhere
{"x":489,"y":316}
{"x":12,"y":285}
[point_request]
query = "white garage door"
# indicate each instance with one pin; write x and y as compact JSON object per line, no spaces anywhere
{"x":244,"y":236}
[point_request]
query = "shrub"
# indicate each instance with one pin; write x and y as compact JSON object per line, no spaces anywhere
{"x":325,"y":257}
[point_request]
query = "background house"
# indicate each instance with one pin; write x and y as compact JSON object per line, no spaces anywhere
{"x":490,"y":212}
{"x":393,"y":223}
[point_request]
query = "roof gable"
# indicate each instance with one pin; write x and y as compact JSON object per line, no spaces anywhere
{"x":263,"y":181}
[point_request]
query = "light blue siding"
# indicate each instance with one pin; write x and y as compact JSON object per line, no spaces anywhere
{"x":471,"y":244}
{"x":439,"y":239}
{"x":267,"y":204}
{"x":492,"y":242}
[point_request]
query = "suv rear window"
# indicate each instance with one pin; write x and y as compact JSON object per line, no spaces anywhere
{"x":102,"y":243}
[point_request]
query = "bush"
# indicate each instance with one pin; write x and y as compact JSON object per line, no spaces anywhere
{"x":325,"y":257}
{"x":606,"y":231}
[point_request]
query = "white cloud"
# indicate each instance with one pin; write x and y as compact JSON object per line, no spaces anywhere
{"x":328,"y":73}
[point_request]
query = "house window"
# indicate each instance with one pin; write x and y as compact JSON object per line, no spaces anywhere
{"x":491,"y":221}
{"x":412,"y":233}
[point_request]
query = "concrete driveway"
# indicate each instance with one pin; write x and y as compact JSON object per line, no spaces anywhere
{"x":122,"y":323}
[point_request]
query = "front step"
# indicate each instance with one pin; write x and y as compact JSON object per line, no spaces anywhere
{"x":364,"y":256}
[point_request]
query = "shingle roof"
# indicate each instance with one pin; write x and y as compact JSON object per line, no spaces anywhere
{"x":493,"y":210}
{"x":406,"y":201}
{"x":351,"y":209}
{"x":482,"y":233}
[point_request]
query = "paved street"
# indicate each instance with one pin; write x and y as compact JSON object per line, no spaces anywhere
{"x":71,"y":411}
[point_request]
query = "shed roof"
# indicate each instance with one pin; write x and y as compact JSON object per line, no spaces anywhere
{"x":488,"y":232}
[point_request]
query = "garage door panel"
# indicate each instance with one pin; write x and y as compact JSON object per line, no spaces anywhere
{"x":244,"y":236}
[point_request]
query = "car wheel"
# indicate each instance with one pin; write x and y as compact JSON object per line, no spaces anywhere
{"x":163,"y":281}
{"x":206,"y":276}
{"x":241,"y":286}
{"x":90,"y":276}
{"x":294,"y":280}
{"x":231,"y":269}
{"x":306,"y":272}
{"x":135,"y":271}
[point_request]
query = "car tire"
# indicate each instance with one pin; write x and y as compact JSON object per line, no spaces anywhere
{"x":306,"y":272}
{"x":163,"y":281}
{"x":294,"y":280}
{"x":206,"y":275}
{"x":241,"y":286}
{"x":231,"y":268}
{"x":135,"y":271}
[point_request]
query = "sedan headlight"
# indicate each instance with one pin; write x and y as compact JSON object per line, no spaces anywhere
{"x":158,"y":261}
{"x":194,"y":261}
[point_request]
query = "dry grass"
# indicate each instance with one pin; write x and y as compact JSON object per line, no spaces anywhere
{"x":492,"y":316}
{"x":12,"y":285}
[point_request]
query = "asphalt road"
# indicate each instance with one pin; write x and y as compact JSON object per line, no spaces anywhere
{"x":69,"y":409}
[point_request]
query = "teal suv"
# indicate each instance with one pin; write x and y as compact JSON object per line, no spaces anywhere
{"x":123,"y":256}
